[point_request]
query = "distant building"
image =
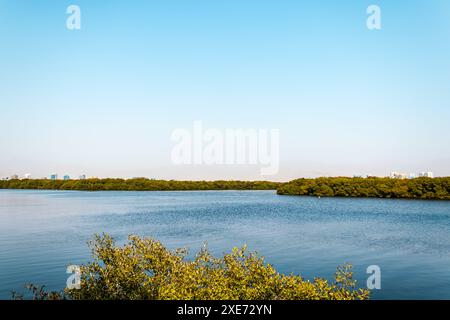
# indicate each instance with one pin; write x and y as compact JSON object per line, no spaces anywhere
{"x":83,"y":177}
{"x":66,"y":177}
{"x":398,"y":175}
{"x":412,"y":176}
{"x":426,"y":174}
{"x":14,"y":177}
{"x":27,"y":176}
{"x":54,"y":176}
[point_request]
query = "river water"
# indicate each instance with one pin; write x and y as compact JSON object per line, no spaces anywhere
{"x":41,"y":232}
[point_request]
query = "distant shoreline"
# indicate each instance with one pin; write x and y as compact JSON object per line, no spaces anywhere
{"x":372,"y":187}
{"x":137,"y":184}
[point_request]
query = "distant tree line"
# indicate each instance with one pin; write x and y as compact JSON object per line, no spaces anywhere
{"x":419,"y":188}
{"x":138,"y":184}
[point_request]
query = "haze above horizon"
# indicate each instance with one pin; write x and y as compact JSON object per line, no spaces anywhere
{"x":104,"y":100}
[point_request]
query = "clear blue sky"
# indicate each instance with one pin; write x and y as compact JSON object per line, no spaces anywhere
{"x":105,"y":99}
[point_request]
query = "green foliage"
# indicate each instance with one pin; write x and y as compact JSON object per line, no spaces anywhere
{"x":420,"y":188}
{"x":137,"y":184}
{"x":39,"y":293}
{"x":144,"y":269}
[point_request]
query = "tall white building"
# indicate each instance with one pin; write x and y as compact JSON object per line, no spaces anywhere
{"x":412,"y":176}
{"x":428,"y":174}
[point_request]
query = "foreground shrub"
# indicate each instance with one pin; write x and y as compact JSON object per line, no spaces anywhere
{"x":144,"y":269}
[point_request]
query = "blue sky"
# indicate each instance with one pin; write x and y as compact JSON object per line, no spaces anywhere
{"x":105,"y":99}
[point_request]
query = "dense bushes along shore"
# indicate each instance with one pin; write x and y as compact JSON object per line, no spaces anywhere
{"x":420,"y":188}
{"x":138,"y":184}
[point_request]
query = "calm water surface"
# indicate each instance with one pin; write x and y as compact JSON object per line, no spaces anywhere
{"x":41,"y":232}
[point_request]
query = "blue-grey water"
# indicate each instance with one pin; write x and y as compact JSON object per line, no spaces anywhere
{"x":41,"y":232}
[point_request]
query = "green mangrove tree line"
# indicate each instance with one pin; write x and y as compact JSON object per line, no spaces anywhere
{"x":137,"y":184}
{"x":420,"y":188}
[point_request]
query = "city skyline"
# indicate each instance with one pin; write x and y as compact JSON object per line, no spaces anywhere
{"x":105,"y":100}
{"x":56,"y":176}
